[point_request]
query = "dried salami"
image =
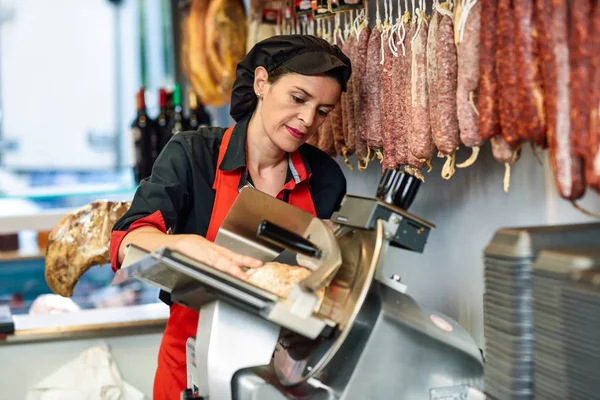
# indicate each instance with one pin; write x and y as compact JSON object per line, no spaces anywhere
{"x":420,"y":141}
{"x":467,"y":87}
{"x":344,"y":120}
{"x":530,"y":99}
{"x":508,"y":100}
{"x":373,"y":76}
{"x":580,"y":47}
{"x":567,"y":165}
{"x":354,"y":82}
{"x":446,"y":133}
{"x":350,"y":133}
{"x":387,"y":114}
{"x":432,"y":63}
{"x":489,"y":119}
{"x":362,"y":151}
{"x":335,"y":117}
{"x":592,"y":157}
{"x":405,"y":113}
{"x":360,"y":72}
{"x":326,"y":139}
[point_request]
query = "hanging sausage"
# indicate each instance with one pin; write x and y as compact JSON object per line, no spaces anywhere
{"x":444,"y":119}
{"x":467,"y":30}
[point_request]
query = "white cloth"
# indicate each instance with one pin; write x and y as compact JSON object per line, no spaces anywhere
{"x":92,"y":376}
{"x":52,"y":304}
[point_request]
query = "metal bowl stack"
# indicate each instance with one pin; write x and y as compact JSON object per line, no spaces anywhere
{"x":566,"y":313}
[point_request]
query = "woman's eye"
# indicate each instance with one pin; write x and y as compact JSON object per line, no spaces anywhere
{"x":323,"y":113}
{"x":298,"y":100}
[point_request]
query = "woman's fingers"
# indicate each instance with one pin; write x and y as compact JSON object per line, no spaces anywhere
{"x":217,"y":256}
{"x":237,"y":272}
{"x":241,"y":260}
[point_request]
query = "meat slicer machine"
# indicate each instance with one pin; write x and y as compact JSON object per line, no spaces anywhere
{"x":367,"y":339}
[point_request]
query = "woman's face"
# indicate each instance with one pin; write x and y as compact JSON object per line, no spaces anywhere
{"x":293,"y":108}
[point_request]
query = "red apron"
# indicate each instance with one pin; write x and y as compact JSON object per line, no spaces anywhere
{"x":171,"y":376}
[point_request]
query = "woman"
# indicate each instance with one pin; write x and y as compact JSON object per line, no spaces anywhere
{"x":285,"y":88}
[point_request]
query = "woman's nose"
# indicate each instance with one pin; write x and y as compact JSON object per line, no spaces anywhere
{"x":308,"y":116}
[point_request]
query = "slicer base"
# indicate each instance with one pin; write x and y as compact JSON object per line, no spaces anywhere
{"x":229,"y":339}
{"x":403,"y":351}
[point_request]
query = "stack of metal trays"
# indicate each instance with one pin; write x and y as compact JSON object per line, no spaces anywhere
{"x":567,"y":321}
{"x":508,"y":328}
{"x":508,"y":297}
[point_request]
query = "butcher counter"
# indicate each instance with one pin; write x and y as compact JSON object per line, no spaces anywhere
{"x":43,"y":343}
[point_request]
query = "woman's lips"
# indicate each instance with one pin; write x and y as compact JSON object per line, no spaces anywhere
{"x":295,"y":133}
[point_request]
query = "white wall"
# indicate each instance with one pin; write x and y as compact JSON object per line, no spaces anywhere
{"x":58,"y":82}
{"x":467,"y":210}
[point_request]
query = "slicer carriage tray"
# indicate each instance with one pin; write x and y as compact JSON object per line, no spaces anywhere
{"x":192,"y":284}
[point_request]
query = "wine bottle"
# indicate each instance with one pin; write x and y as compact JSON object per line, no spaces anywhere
{"x":176,"y":123}
{"x":162,"y":120}
{"x":144,"y":139}
{"x":197,"y":117}
{"x":170,"y":105}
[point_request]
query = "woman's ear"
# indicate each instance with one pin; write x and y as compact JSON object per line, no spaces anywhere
{"x":261,"y":79}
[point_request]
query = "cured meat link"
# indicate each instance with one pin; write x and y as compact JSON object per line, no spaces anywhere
{"x":489,"y":120}
{"x":580,"y":46}
{"x":326,"y":138}
{"x":361,"y":69}
{"x":337,"y":129}
{"x":446,"y":134}
{"x":403,"y":98}
{"x":350,"y":133}
{"x":344,"y":113}
{"x":530,"y":99}
{"x":508,"y":101}
{"x":432,"y":64}
{"x":468,"y":28}
{"x":592,"y":158}
{"x":363,"y":153}
{"x":567,"y":166}
{"x":420,"y":141}
{"x":355,"y":97}
{"x":387,"y":88}
{"x":373,"y":76}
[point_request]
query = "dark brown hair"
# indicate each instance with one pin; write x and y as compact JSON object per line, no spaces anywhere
{"x":282,"y":71}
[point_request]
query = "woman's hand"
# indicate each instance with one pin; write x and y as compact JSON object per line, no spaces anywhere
{"x":193,"y":246}
{"x":211,"y":254}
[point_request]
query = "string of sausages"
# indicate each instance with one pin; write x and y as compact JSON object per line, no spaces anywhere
{"x":508,"y":72}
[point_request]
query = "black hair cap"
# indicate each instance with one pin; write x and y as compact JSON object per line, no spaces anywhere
{"x":303,"y":54}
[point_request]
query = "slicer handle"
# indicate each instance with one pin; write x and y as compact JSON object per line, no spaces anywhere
{"x":397,"y":188}
{"x":286,"y":239}
{"x":408,"y":187}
